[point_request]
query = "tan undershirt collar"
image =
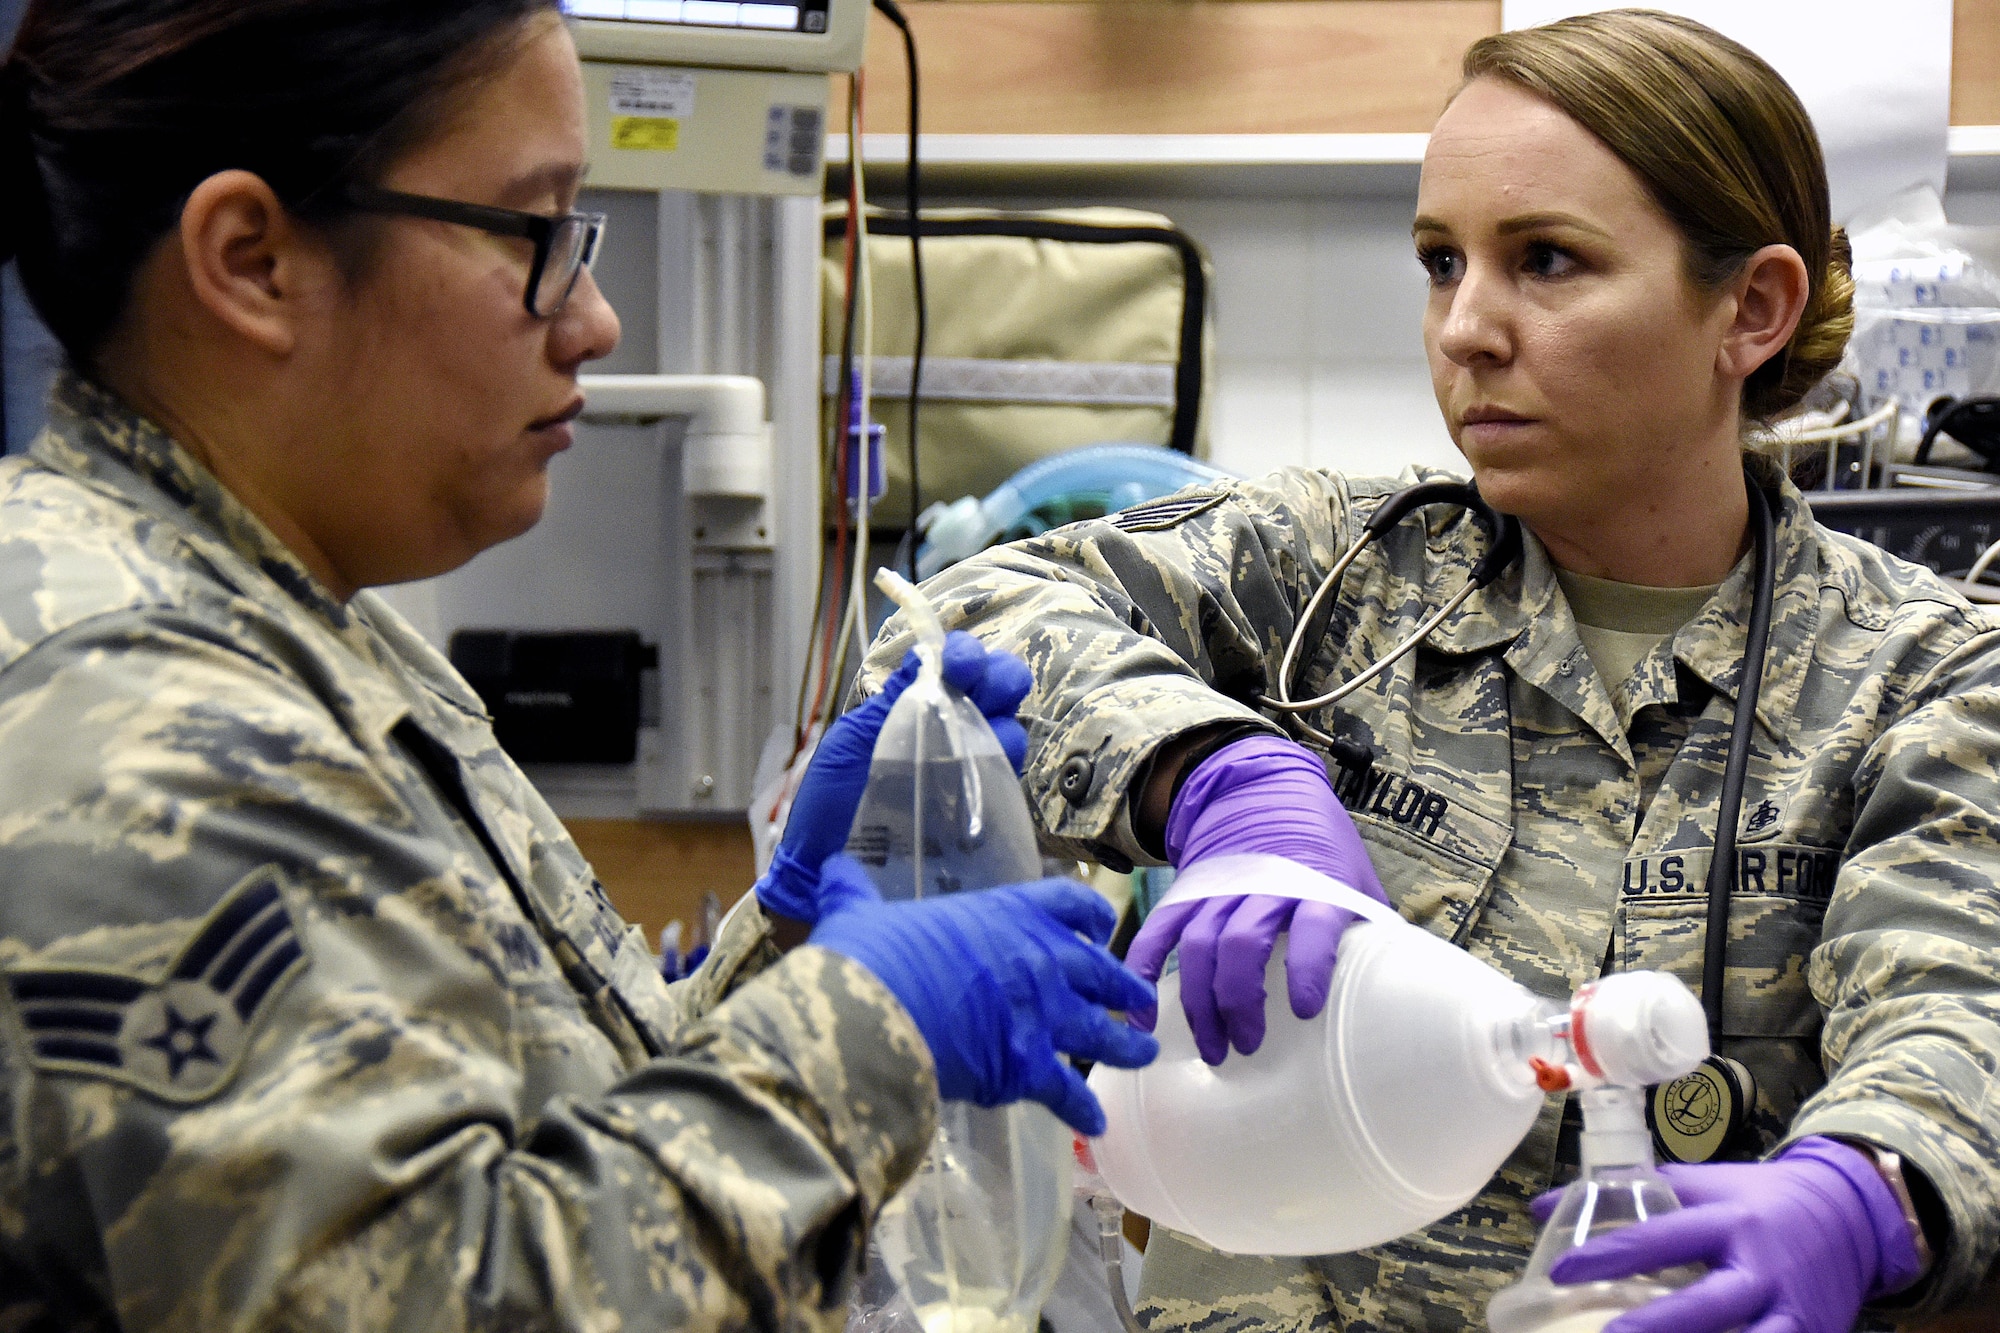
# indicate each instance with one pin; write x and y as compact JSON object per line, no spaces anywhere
{"x":1621,"y":623}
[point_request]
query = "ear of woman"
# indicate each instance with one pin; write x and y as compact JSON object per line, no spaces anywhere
{"x":1770,"y":296}
{"x":248,"y":265}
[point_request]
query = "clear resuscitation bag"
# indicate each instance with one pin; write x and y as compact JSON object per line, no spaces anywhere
{"x":1389,"y":1109}
{"x":976,"y":1240}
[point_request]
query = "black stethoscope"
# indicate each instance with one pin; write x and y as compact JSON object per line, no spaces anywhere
{"x":1696,"y":1117}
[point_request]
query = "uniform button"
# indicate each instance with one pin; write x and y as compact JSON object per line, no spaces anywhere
{"x":1074,"y":779}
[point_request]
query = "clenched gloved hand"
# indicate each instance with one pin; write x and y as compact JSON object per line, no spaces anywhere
{"x":1796,"y":1244}
{"x":999,"y":983}
{"x":823,"y":811}
{"x":1264,"y":795}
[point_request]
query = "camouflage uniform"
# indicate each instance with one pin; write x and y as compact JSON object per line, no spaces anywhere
{"x":315,"y":1018}
{"x":1550,"y":824}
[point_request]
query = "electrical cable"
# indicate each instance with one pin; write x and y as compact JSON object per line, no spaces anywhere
{"x":913,"y":197}
{"x":837,"y":610}
{"x":1977,"y":573}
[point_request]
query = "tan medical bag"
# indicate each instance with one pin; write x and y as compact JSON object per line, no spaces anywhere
{"x":1048,"y":331}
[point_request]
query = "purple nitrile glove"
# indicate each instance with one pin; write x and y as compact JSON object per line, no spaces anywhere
{"x":1269,"y":795}
{"x":823,"y":812}
{"x":1796,"y":1244}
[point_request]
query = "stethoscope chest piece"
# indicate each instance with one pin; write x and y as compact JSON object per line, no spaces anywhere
{"x":1699,"y":1116}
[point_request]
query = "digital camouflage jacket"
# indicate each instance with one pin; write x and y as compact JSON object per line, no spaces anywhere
{"x":1551,"y":824}
{"x":315,"y":1018}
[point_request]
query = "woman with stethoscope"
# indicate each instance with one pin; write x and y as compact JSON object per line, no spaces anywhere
{"x":1625,"y":227}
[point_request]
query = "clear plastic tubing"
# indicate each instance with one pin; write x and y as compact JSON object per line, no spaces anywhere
{"x":1129,"y":473}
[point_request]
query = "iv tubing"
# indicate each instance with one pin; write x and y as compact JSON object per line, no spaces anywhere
{"x":1111,"y":1245}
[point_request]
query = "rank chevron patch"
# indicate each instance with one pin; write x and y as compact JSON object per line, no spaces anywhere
{"x":178,"y":1038}
{"x":1164,"y":515}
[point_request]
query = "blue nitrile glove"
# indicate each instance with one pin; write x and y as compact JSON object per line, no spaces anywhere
{"x":998,"y":982}
{"x":1262,"y":794}
{"x":823,"y":811}
{"x":1796,"y":1244}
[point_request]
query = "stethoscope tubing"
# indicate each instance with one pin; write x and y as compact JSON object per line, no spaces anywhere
{"x":1506,"y":545}
{"x":1729,"y":805}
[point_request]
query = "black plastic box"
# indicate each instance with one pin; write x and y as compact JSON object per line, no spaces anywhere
{"x":559,"y":698}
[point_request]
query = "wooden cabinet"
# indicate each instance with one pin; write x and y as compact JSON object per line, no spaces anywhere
{"x":1209,"y":67}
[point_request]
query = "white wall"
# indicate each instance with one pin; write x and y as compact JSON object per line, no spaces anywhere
{"x":1319,"y":310}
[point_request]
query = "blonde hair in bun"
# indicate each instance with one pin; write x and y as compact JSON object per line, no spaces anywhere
{"x":1721,"y":142}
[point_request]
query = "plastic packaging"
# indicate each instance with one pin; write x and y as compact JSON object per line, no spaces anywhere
{"x":1391,"y":1108}
{"x":1926,"y":313}
{"x":978,"y":1238}
{"x":1124,"y":474}
{"x":1619,"y":1186}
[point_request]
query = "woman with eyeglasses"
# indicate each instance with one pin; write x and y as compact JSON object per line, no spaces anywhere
{"x":313,"y":1016}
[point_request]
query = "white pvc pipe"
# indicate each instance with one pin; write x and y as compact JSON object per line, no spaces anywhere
{"x":727,"y":450}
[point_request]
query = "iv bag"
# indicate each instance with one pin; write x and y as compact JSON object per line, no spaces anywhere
{"x":978,"y":1237}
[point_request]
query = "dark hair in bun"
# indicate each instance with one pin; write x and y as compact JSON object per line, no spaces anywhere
{"x":20,"y":180}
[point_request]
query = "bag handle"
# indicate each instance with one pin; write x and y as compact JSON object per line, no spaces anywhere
{"x":1278,"y":876}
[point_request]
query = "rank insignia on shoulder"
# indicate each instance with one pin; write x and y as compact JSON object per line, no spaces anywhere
{"x":1163,"y":515}
{"x":180,"y":1037}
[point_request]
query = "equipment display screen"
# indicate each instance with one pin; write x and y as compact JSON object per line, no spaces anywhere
{"x":808,"y":16}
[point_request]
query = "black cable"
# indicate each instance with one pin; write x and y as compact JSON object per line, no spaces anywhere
{"x":1722,"y":865}
{"x":913,"y":202}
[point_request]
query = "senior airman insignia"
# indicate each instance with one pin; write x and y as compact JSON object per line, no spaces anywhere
{"x":179,"y":1037}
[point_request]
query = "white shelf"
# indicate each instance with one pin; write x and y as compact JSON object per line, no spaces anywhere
{"x":1251,"y":164}
{"x":1975,"y":157}
{"x":1281,"y":165}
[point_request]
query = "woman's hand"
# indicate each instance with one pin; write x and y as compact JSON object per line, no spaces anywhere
{"x":823,"y":811}
{"x":999,"y":983}
{"x":1262,"y":794}
{"x":1793,"y":1245}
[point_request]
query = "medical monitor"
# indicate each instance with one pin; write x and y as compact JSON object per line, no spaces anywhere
{"x":805,"y":36}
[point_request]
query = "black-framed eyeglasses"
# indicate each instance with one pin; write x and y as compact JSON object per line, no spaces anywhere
{"x":565,"y":244}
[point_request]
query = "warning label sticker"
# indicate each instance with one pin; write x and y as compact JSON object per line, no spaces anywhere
{"x":647,"y":108}
{"x":645,"y":134}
